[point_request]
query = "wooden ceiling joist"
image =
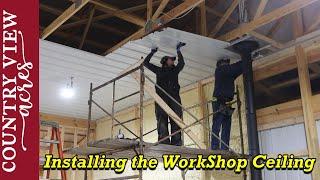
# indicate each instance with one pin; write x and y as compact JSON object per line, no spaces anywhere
{"x":315,"y":24}
{"x":87,"y":28}
{"x":75,"y":7}
{"x":160,"y":9}
{"x":107,"y":8}
{"x":267,"y":18}
{"x":298,"y":27}
{"x":261,"y":8}
{"x":57,"y":12}
{"x":224,"y":18}
{"x":106,"y":16}
{"x":285,"y":64}
{"x":219,"y":14}
{"x":275,"y":27}
{"x":267,"y":39}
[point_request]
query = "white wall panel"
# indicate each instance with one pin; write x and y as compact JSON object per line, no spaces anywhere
{"x":290,"y":139}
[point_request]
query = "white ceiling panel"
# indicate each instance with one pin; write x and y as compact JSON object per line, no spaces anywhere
{"x":58,"y":63}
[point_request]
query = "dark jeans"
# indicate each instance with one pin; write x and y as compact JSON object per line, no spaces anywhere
{"x":220,"y":121}
{"x":162,"y":122}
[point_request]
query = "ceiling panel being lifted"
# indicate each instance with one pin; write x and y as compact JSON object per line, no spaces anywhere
{"x":58,"y":63}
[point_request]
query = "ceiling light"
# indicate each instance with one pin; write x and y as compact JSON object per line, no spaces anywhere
{"x":68,"y":92}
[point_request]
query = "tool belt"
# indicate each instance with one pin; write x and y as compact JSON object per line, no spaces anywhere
{"x":223,"y":107}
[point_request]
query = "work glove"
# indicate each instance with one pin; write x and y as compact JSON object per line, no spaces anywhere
{"x":154,"y":50}
{"x":179,"y":45}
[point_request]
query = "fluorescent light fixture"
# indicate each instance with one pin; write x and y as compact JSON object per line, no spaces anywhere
{"x":67,"y":92}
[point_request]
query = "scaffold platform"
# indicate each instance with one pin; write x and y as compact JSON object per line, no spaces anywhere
{"x":127,"y":148}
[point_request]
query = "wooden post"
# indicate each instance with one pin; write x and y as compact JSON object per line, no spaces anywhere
{"x":309,"y":120}
{"x":203,"y":19}
{"x":203,"y":113}
{"x":149,"y":9}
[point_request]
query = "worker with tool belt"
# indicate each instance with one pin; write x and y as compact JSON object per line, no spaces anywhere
{"x":225,"y":75}
{"x":167,"y":79}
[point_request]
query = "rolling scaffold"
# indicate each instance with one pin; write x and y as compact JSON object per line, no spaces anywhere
{"x":127,"y":148}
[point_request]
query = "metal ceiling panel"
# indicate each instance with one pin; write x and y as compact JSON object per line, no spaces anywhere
{"x":58,"y":63}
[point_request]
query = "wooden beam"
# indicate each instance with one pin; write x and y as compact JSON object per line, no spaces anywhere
{"x":203,"y":19}
{"x":267,"y":39}
{"x":149,"y":9}
{"x":283,"y":65}
{"x":219,"y":14}
{"x":57,"y":12}
{"x":309,"y":120}
{"x":106,"y":16}
{"x":275,"y":27}
{"x":177,"y":11}
{"x":66,"y":121}
{"x":107,"y":8}
{"x":261,"y":8}
{"x":315,"y":68}
{"x":224,"y":18}
{"x":77,"y":39}
{"x":205,"y":124}
{"x":160,"y":9}
{"x":173,"y":13}
{"x":75,"y":7}
{"x":87,"y":28}
{"x":267,"y":18}
{"x":315,"y":24}
{"x":285,"y":114}
{"x":298,"y":29}
{"x":134,"y":36}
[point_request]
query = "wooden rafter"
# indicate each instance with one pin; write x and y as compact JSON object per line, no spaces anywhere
{"x":267,"y":39}
{"x":87,"y":28}
{"x":107,"y":8}
{"x":57,"y":12}
{"x":261,"y":8}
{"x":77,"y":38}
{"x":134,"y":36}
{"x":203,"y":19}
{"x":106,"y":16}
{"x":267,"y":18}
{"x":315,"y":68}
{"x":173,"y":13}
{"x":315,"y":24}
{"x":306,"y":99}
{"x":275,"y":27}
{"x":298,"y":29}
{"x":219,"y":14}
{"x":224,"y":18}
{"x":75,"y":7}
{"x":256,"y":34}
{"x":160,"y":9}
{"x":149,"y":9}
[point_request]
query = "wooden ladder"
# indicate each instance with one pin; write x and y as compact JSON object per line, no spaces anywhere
{"x":55,"y":139}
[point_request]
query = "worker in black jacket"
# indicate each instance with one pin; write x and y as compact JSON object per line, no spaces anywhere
{"x":225,"y":75}
{"x":167,"y":79}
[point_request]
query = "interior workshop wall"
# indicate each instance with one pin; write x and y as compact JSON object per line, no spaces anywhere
{"x":188,"y":98}
{"x":288,"y":137}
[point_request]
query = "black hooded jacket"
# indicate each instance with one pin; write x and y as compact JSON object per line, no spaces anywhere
{"x":224,"y":80}
{"x":167,"y":77}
